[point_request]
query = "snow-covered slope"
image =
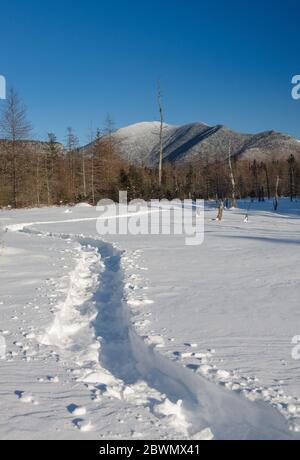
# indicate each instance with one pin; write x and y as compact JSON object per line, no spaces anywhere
{"x":139,"y":143}
{"x":136,"y":142}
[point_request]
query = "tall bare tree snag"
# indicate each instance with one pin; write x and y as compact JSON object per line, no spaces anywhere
{"x":52,"y":168}
{"x":291,"y":163}
{"x":265,"y":168}
{"x":90,"y":180}
{"x":109,"y":149}
{"x":161,"y":149}
{"x":15,"y":128}
{"x":220,"y":211}
{"x":72,"y":146}
{"x":233,"y":185}
{"x":276,"y":198}
{"x":37,"y":176}
{"x":84,"y":176}
{"x":96,"y":141}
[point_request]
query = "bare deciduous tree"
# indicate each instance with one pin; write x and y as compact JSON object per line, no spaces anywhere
{"x":14,"y":127}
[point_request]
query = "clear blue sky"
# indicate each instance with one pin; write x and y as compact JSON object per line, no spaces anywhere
{"x":228,"y":62}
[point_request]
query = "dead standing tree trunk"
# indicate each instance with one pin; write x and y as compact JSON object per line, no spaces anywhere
{"x":84,"y":176}
{"x":14,"y":176}
{"x":47,"y":179}
{"x":93,"y":178}
{"x":233,"y":184}
{"x":220,"y":211}
{"x":276,"y":198}
{"x":161,"y":150}
{"x":265,"y":168}
{"x":37,"y":177}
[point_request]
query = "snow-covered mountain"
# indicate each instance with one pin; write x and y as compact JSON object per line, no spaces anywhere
{"x":139,"y":143}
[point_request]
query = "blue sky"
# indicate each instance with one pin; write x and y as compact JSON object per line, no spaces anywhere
{"x":229,"y":62}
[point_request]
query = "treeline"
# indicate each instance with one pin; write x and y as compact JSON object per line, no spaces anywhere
{"x":258,"y":180}
{"x":46,"y":173}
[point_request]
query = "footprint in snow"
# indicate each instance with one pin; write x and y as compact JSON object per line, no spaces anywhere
{"x":83,"y":425}
{"x":191,"y":345}
{"x":52,"y":379}
{"x":26,"y":398}
{"x":130,"y":286}
{"x":77,"y":411}
{"x":193,"y":367}
{"x":29,"y":335}
{"x":5,"y":333}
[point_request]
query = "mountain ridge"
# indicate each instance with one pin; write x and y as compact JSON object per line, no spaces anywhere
{"x":186,"y":144}
{"x":139,"y":144}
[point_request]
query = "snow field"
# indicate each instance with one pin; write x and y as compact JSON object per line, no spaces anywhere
{"x":103,"y":329}
{"x":122,"y":347}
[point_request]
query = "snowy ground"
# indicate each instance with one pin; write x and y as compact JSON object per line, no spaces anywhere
{"x":145,"y":337}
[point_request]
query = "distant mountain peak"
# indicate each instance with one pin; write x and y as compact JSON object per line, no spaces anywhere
{"x":139,"y":143}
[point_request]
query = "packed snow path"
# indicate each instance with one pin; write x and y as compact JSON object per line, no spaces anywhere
{"x":95,"y":329}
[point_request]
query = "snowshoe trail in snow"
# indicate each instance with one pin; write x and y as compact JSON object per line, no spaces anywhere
{"x":94,"y":327}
